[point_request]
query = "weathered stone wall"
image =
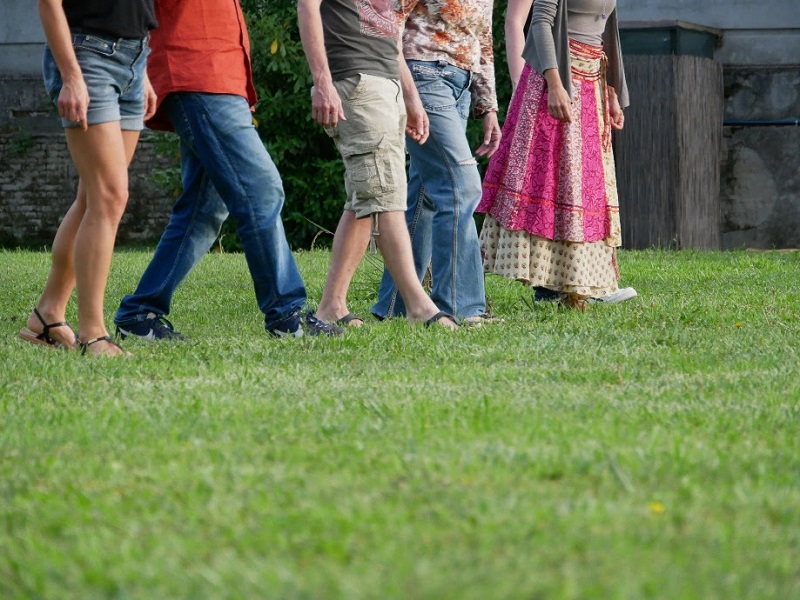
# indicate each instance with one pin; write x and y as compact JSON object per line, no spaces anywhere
{"x":38,"y":183}
{"x":760,"y":178}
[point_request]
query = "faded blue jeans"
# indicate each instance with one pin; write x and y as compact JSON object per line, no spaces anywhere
{"x":444,"y":188}
{"x":225,"y":168}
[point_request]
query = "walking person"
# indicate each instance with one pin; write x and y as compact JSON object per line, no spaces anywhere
{"x":448,"y":50}
{"x":550,"y":191}
{"x":200,"y":68}
{"x":94,"y":69}
{"x":366,"y":101}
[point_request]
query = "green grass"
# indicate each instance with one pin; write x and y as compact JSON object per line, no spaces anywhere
{"x":646,"y":450}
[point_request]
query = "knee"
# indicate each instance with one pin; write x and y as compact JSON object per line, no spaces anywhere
{"x":112,"y":203}
{"x":470,"y":185}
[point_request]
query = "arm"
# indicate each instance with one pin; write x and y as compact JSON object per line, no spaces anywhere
{"x":417,"y":123}
{"x":73,"y":100}
{"x":559,"y":104}
{"x":617,"y":117}
{"x":417,"y":119}
{"x":150,"y":98}
{"x":484,"y":88}
{"x":516,"y":16}
{"x":326,"y":106}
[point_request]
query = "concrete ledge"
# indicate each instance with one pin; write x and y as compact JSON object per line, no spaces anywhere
{"x":760,"y":47}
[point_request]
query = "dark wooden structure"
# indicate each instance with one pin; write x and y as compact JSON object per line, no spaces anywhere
{"x":668,"y":154}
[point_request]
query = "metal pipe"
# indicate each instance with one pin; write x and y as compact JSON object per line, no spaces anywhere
{"x":763,"y":123}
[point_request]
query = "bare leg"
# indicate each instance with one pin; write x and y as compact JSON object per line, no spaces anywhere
{"x":101,"y":156}
{"x":70,"y":238}
{"x":349,"y":243}
{"x":52,"y":304}
{"x":395,"y":246}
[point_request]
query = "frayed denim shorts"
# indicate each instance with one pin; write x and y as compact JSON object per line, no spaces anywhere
{"x":114,"y":71}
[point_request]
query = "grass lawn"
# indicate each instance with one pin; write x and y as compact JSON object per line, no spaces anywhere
{"x":646,"y":450}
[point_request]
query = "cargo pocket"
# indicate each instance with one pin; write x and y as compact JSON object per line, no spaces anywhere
{"x":368,"y":167}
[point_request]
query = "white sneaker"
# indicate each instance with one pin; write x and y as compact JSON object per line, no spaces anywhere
{"x":620,"y":295}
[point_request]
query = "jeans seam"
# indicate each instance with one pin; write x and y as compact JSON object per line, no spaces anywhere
{"x":454,"y":186}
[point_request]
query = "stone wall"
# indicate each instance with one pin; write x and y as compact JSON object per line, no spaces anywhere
{"x":38,"y":181}
{"x":760,"y":178}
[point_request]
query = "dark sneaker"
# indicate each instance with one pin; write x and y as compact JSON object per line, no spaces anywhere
{"x":543,"y":294}
{"x":154,"y":327}
{"x":299,"y":324}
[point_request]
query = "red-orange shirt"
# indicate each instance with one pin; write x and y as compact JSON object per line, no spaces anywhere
{"x":199,"y":47}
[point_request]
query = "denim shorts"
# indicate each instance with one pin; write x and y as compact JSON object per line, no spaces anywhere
{"x":372,"y":143}
{"x":114,"y":73}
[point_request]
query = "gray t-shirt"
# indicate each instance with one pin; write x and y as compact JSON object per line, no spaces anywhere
{"x":585,"y":23}
{"x":360,"y":37}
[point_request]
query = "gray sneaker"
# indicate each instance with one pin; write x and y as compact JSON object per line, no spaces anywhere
{"x":617,"y":297}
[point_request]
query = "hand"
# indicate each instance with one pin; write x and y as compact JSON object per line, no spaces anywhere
{"x":417,"y":123}
{"x":326,"y":105}
{"x":150,"y":99}
{"x":617,"y":117}
{"x":73,"y":101}
{"x":559,"y":104}
{"x":491,"y":135}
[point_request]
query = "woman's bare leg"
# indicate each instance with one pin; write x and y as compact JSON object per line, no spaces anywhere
{"x":101,"y":154}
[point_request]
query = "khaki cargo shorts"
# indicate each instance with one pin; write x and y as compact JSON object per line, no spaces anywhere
{"x":372,"y":144}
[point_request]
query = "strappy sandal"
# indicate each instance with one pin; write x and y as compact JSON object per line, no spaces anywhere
{"x":348,"y":319}
{"x":105,"y":338}
{"x":44,"y":339}
{"x":440,"y":315}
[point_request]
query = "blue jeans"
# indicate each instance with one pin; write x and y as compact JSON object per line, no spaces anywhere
{"x":444,"y":188}
{"x":225,"y":168}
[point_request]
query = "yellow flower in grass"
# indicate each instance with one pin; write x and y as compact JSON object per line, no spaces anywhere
{"x":656,"y":508}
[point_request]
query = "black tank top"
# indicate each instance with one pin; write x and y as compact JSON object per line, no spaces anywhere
{"x":114,"y":18}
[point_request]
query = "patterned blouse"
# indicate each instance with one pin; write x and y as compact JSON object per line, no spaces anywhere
{"x":456,"y":31}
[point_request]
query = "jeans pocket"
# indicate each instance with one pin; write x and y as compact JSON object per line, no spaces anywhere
{"x":368,"y":167}
{"x":93,"y":44}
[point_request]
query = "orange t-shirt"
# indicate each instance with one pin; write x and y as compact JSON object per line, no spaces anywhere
{"x":199,"y":47}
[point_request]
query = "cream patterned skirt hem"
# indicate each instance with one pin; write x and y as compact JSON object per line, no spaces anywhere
{"x":585,"y":269}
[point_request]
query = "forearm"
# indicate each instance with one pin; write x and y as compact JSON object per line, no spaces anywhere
{"x":312,"y":37}
{"x":516,"y":17}
{"x":59,"y":39}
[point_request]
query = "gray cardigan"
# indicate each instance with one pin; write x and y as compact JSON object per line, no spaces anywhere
{"x":554,"y":13}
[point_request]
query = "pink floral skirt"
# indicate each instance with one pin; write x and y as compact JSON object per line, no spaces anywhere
{"x":551,"y":186}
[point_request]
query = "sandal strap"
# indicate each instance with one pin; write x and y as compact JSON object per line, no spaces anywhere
{"x":48,"y":326}
{"x":103,"y":338}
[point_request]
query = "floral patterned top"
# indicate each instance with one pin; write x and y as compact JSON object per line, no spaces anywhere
{"x":456,"y":31}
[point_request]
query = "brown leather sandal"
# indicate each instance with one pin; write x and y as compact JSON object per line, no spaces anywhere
{"x":44,"y":339}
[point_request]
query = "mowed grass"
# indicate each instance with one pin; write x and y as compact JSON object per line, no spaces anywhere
{"x":646,"y":450}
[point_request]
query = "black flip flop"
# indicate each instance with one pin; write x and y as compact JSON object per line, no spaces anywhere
{"x":439,"y":315}
{"x":347,"y":319}
{"x":104,"y":338}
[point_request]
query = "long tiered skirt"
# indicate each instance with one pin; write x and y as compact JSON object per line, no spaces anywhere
{"x":550,"y":191}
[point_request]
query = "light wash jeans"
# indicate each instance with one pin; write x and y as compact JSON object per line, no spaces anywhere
{"x":444,"y":188}
{"x":225,"y":168}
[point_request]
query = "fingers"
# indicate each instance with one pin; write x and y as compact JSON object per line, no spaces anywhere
{"x":74,"y":113}
{"x":328,"y":115}
{"x":561,"y":112}
{"x":489,"y":145}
